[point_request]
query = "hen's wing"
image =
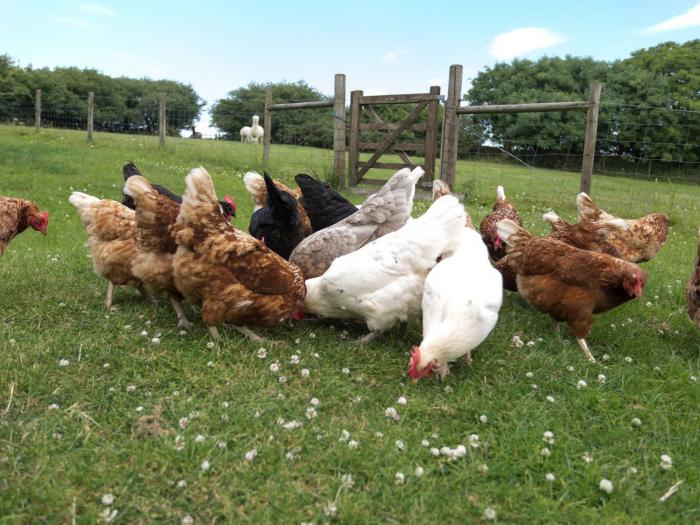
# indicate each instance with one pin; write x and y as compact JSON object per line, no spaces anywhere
{"x":10,"y":214}
{"x":155,"y":215}
{"x":589,"y":211}
{"x":324,"y":206}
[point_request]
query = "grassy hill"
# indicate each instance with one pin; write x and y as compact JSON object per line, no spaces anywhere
{"x":71,"y":434}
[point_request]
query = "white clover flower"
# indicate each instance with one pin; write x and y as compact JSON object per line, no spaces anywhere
{"x":401,"y":401}
{"x":379,"y":434}
{"x":314,"y":402}
{"x":316,"y":355}
{"x":606,"y":357}
{"x":516,"y":342}
{"x":262,"y":353}
{"x":187,"y":520}
{"x":392,"y":414}
{"x":529,"y":375}
{"x":545,"y":452}
{"x":344,"y":435}
{"x":666,"y":462}
{"x":694,"y":379}
{"x":435,"y":452}
{"x":399,"y":478}
{"x":183,"y":332}
{"x":205,"y":465}
{"x":632,"y":470}
{"x":131,"y":388}
{"x":581,"y":384}
{"x":587,"y":457}
{"x":297,"y":341}
{"x":400,"y":445}
{"x":534,"y":386}
{"x":311,"y":413}
{"x":474,"y":440}
{"x":636,"y":422}
{"x":483,"y":418}
{"x":345,"y":371}
{"x":550,"y":399}
{"x":13,"y":342}
{"x":548,"y":437}
{"x":331,"y":510}
{"x":352,"y":444}
{"x":601,"y":379}
{"x":183,"y":423}
{"x":282,"y":379}
{"x":289,"y":455}
{"x":425,"y":443}
{"x":179,"y":443}
{"x":294,"y":360}
{"x":221,"y":444}
{"x":489,"y":514}
{"x":312,"y":335}
{"x":148,"y":323}
{"x":53,"y":406}
{"x":628,"y":359}
{"x":108,"y":515}
{"x":419,"y":471}
{"x":291,"y":425}
{"x":570,"y":368}
{"x":448,"y":389}
{"x":139,"y":408}
{"x":106,"y":365}
{"x":530,"y":344}
{"x":63,"y":362}
{"x":199,"y":438}
{"x":144,"y":333}
{"x":251,"y":454}
{"x":210,"y":364}
{"x":181,"y":484}
{"x":482,"y":467}
{"x":107,"y":499}
{"x":305,"y":372}
{"x":155,"y":340}
{"x":606,"y":485}
{"x":550,"y":476}
{"x":274,"y":368}
{"x":347,"y":481}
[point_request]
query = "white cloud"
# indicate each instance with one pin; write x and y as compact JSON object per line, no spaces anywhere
{"x":690,"y":18}
{"x":74,"y":22}
{"x":97,"y":9}
{"x":521,"y":41}
{"x":394,"y":55}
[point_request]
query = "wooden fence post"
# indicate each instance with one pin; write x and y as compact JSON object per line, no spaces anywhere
{"x":90,"y":114}
{"x":450,"y":127}
{"x":431,"y":136}
{"x":37,"y":110}
{"x":161,"y":120}
{"x":591,"y":136}
{"x":354,"y":153}
{"x":339,"y":129}
{"x":267,"y":126}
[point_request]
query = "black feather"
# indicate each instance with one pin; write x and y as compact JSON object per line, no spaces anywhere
{"x":279,"y":223}
{"x":324,"y":206}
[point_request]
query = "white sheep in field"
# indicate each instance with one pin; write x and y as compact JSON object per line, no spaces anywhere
{"x":245,"y":134}
{"x":256,"y":131}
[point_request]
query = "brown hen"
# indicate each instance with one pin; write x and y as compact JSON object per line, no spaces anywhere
{"x":502,"y":209}
{"x":16,"y":215}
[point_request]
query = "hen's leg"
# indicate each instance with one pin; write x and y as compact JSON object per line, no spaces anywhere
{"x":214,"y":332}
{"x":366,"y":338}
{"x":182,"y":321}
{"x":469,"y":359}
{"x":443,"y":371}
{"x":253,"y":336}
{"x":110,"y":293}
{"x":146,"y":294}
{"x":586,"y":351}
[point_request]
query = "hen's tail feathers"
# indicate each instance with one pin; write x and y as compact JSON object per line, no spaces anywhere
{"x":440,"y":189}
{"x":130,"y":170}
{"x":511,"y":233}
{"x":199,"y":187}
{"x":82,"y":200}
{"x":136,"y":187}
{"x":500,"y":193}
{"x":552,"y":218}
{"x":587,"y":209}
{"x":255,"y":184}
{"x":273,"y":194}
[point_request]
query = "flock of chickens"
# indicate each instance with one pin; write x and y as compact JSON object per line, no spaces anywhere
{"x":312,"y":251}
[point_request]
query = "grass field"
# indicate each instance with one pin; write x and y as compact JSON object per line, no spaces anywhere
{"x":71,"y":434}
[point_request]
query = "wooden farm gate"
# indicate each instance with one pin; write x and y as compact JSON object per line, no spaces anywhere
{"x":363,"y":117}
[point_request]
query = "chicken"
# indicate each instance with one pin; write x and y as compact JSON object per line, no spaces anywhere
{"x":440,"y":189}
{"x":16,"y":215}
{"x":235,"y":277}
{"x":228,"y":205}
{"x":461,"y":299}
{"x":566,"y":282}
{"x":155,"y":241}
{"x":111,"y":229}
{"x":508,"y":276}
{"x":278,"y":224}
{"x":255,"y":184}
{"x":382,"y":282}
{"x":692,"y":292}
{"x":381,"y":213}
{"x":592,"y":236}
{"x":502,"y":209}
{"x":640,"y":239}
{"x":324,"y":206}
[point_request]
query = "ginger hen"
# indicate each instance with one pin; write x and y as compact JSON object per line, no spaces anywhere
{"x":16,"y":215}
{"x":568,"y":283}
{"x":235,"y":277}
{"x":502,"y":209}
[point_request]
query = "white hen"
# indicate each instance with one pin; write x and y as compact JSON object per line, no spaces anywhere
{"x":461,"y":300}
{"x":382,"y":282}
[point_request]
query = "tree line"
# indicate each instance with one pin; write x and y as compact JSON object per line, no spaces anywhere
{"x":126,"y":105}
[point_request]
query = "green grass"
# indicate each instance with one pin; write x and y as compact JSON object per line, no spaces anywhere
{"x":55,"y":465}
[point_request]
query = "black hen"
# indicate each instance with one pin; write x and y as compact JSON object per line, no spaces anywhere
{"x":278,"y":225}
{"x":324,"y":206}
{"x":228,"y":205}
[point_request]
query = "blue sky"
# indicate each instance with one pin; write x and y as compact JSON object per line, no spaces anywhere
{"x":382,"y":46}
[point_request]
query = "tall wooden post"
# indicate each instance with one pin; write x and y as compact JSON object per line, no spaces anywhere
{"x":354,"y":153}
{"x":37,"y":110}
{"x":90,"y":114}
{"x":267,"y":126}
{"x":450,"y":127}
{"x":161,"y":120}
{"x":339,"y":129}
{"x":431,"y":136}
{"x":591,"y":136}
